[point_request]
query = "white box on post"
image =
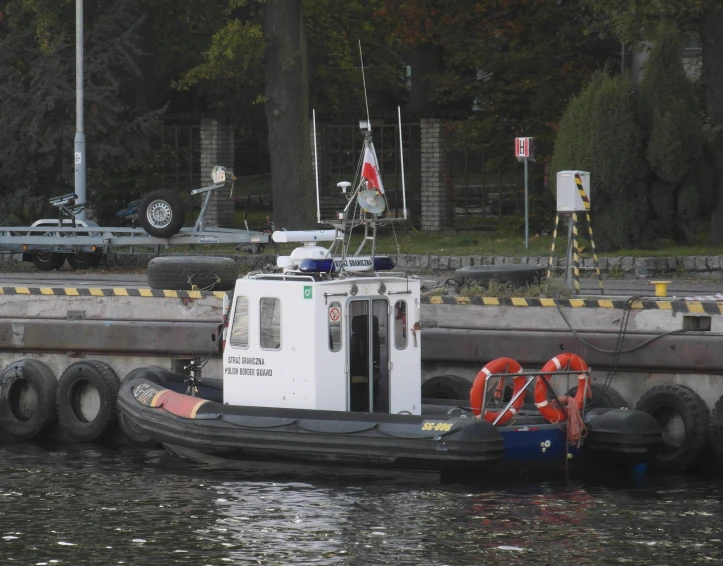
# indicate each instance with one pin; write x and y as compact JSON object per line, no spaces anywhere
{"x":573,"y":191}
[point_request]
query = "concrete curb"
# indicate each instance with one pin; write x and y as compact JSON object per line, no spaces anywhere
{"x":614,"y":267}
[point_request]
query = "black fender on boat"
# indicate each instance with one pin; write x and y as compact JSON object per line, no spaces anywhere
{"x":87,"y":424}
{"x":27,"y":400}
{"x":619,"y":436}
{"x":403,"y":440}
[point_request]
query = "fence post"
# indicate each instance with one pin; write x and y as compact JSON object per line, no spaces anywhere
{"x":435,"y":205}
{"x":217,"y":148}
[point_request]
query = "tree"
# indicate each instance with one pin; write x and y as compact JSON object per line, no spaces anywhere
{"x":515,"y":62}
{"x":599,"y":133}
{"x":672,"y":118}
{"x":37,"y":117}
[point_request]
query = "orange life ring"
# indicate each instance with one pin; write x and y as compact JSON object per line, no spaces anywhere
{"x":500,"y":365}
{"x":554,"y":412}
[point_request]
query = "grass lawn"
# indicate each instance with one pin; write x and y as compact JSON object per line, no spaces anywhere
{"x":406,"y":240}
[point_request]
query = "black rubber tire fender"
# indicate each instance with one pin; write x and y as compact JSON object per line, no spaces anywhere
{"x":192,"y":272}
{"x":611,"y":400}
{"x":716,"y":430}
{"x":518,"y":274}
{"x":663,"y":402}
{"x":27,"y":400}
{"x":446,"y":387}
{"x":84,"y":260}
{"x":162,"y":213}
{"x":78,"y":381}
{"x":48,"y":261}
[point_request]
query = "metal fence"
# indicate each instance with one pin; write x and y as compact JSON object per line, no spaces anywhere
{"x":178,"y":151}
{"x":340,"y":155}
{"x":484,"y":188}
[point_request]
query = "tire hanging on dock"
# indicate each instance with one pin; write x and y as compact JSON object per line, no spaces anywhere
{"x":27,"y":400}
{"x":446,"y":387}
{"x":610,"y":399}
{"x":500,"y":365}
{"x":716,"y":430}
{"x":684,"y":418}
{"x":86,"y":400}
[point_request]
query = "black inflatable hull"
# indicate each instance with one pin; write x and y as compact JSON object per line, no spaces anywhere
{"x":405,"y":441}
{"x":621,"y":436}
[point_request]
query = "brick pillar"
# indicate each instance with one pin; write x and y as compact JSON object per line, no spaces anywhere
{"x":217,"y":148}
{"x":433,"y":189}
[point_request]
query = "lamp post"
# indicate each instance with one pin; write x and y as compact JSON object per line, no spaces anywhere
{"x":79,"y":127}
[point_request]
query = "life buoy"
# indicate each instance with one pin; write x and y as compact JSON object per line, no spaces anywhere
{"x":553,"y":411}
{"x":27,"y":400}
{"x":86,"y":400}
{"x":500,"y":365}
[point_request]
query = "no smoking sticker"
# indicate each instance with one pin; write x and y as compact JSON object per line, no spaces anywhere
{"x":334,"y":314}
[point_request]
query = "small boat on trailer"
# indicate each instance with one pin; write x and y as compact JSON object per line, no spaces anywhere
{"x":322,"y":363}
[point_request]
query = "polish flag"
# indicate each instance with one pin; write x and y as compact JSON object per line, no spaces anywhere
{"x":370,"y":169}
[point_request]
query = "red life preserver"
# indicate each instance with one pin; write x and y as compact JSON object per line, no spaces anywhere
{"x":500,"y":365}
{"x":554,"y":412}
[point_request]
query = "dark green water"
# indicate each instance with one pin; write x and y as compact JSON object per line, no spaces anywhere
{"x":87,"y":505}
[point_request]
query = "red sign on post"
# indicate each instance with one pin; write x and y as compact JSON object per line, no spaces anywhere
{"x":525,"y":147}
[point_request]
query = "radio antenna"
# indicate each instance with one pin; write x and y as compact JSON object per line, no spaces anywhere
{"x":364,"y":83}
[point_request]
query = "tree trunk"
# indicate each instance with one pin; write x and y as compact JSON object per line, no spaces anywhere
{"x":712,"y":29}
{"x":287,"y":115}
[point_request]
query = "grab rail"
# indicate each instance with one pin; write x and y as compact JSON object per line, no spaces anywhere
{"x":531,"y":375}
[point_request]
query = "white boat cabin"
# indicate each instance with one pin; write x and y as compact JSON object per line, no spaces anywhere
{"x":337,"y":344}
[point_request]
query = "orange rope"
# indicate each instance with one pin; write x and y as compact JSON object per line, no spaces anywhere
{"x":576,"y":429}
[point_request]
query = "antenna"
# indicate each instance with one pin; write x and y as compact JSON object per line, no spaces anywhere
{"x":401,"y":158}
{"x":364,"y":83}
{"x":316,"y":170}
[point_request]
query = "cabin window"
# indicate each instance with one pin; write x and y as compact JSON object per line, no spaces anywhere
{"x":270,"y":323}
{"x":240,"y":326}
{"x":400,"y":325}
{"x":335,"y":327}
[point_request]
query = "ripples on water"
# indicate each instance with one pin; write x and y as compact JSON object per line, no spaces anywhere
{"x":88,"y":505}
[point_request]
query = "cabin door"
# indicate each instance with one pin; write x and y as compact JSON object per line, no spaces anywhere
{"x":368,"y":365}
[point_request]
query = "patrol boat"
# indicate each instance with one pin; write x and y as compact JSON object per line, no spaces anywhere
{"x":322,"y":363}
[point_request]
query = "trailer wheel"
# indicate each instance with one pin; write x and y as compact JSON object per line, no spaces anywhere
{"x":162,"y":213}
{"x":203,"y":273}
{"x":84,"y":260}
{"x":48,"y":261}
{"x":27,"y":400}
{"x":86,"y":400}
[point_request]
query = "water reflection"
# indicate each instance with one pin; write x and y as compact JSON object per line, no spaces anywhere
{"x":87,"y":505}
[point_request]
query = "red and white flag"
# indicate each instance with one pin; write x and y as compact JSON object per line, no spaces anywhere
{"x":370,"y":169}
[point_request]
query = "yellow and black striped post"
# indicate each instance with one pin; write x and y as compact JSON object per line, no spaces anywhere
{"x":575,"y":255}
{"x":594,"y":255}
{"x":552,"y":247}
{"x":581,"y":190}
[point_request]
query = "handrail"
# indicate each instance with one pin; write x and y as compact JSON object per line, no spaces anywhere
{"x":531,"y":375}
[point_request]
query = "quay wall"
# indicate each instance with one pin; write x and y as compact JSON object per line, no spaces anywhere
{"x":130,"y":328}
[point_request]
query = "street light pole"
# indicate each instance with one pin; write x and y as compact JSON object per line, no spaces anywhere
{"x":79,"y":126}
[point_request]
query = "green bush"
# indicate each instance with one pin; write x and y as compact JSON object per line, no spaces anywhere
{"x":599,"y":133}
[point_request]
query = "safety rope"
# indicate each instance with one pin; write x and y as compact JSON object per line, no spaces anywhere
{"x":576,"y":429}
{"x":208,"y":287}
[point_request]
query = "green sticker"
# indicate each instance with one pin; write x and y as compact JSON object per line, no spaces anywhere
{"x":307,"y":291}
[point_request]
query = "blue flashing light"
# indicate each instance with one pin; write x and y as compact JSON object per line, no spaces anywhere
{"x":326,"y":265}
{"x":309,"y":265}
